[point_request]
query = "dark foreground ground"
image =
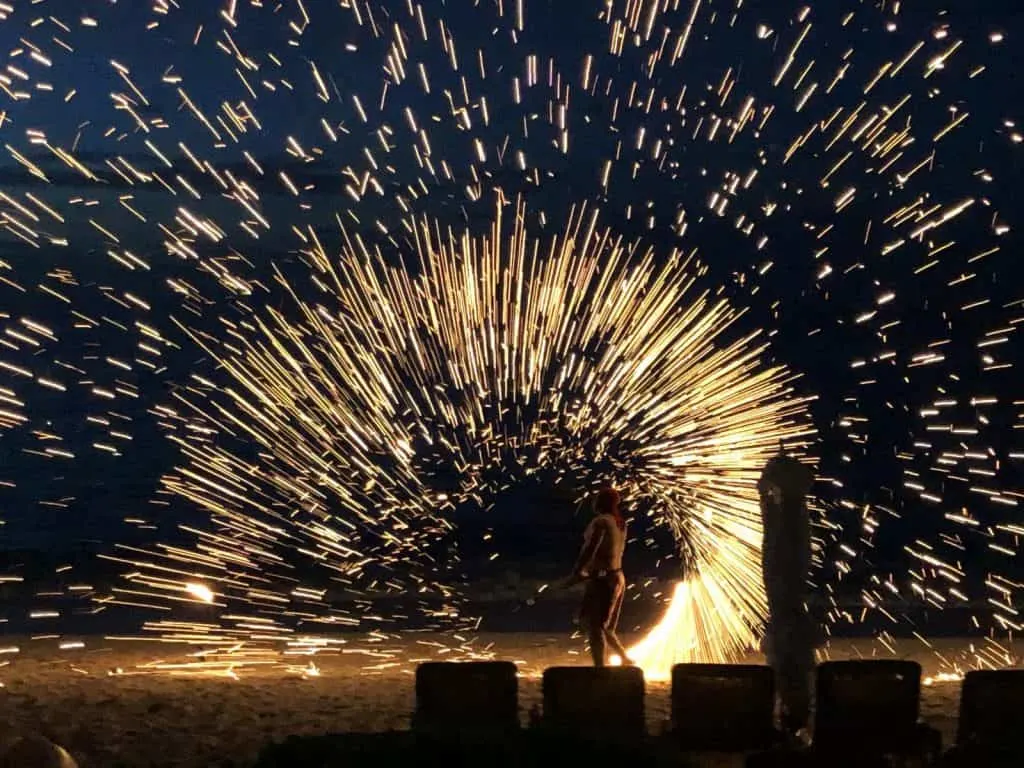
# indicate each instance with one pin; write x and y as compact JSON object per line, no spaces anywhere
{"x":110,"y":706}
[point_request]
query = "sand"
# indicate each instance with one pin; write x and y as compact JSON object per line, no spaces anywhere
{"x":134,"y":718}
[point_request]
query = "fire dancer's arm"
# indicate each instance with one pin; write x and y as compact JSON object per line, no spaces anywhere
{"x":592,"y":540}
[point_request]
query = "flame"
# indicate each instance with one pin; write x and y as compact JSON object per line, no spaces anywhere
{"x":700,"y":625}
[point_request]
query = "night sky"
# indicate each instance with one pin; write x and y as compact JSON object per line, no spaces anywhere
{"x":870,"y":421}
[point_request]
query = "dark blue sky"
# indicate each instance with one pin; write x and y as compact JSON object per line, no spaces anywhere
{"x":85,"y":498}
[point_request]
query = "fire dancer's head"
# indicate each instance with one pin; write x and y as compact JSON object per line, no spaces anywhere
{"x":607,"y":503}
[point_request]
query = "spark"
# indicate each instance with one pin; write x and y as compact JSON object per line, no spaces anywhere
{"x":200,"y":591}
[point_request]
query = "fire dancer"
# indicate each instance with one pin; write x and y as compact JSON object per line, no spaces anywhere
{"x":600,"y":565}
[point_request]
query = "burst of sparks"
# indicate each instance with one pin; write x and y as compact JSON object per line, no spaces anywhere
{"x":205,"y":207}
{"x":562,"y":357}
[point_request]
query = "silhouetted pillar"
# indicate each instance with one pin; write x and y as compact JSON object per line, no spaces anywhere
{"x":786,"y":564}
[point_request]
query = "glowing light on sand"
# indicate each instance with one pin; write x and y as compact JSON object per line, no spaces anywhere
{"x":943,"y":677}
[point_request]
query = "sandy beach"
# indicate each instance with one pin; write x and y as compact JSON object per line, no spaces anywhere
{"x":108,"y":705}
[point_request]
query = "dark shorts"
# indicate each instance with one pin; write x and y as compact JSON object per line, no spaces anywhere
{"x":602,"y":600}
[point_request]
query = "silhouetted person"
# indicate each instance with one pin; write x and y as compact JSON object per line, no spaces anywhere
{"x":786,"y":565}
{"x":600,"y":565}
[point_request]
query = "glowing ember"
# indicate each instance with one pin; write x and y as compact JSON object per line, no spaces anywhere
{"x":200,"y":591}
